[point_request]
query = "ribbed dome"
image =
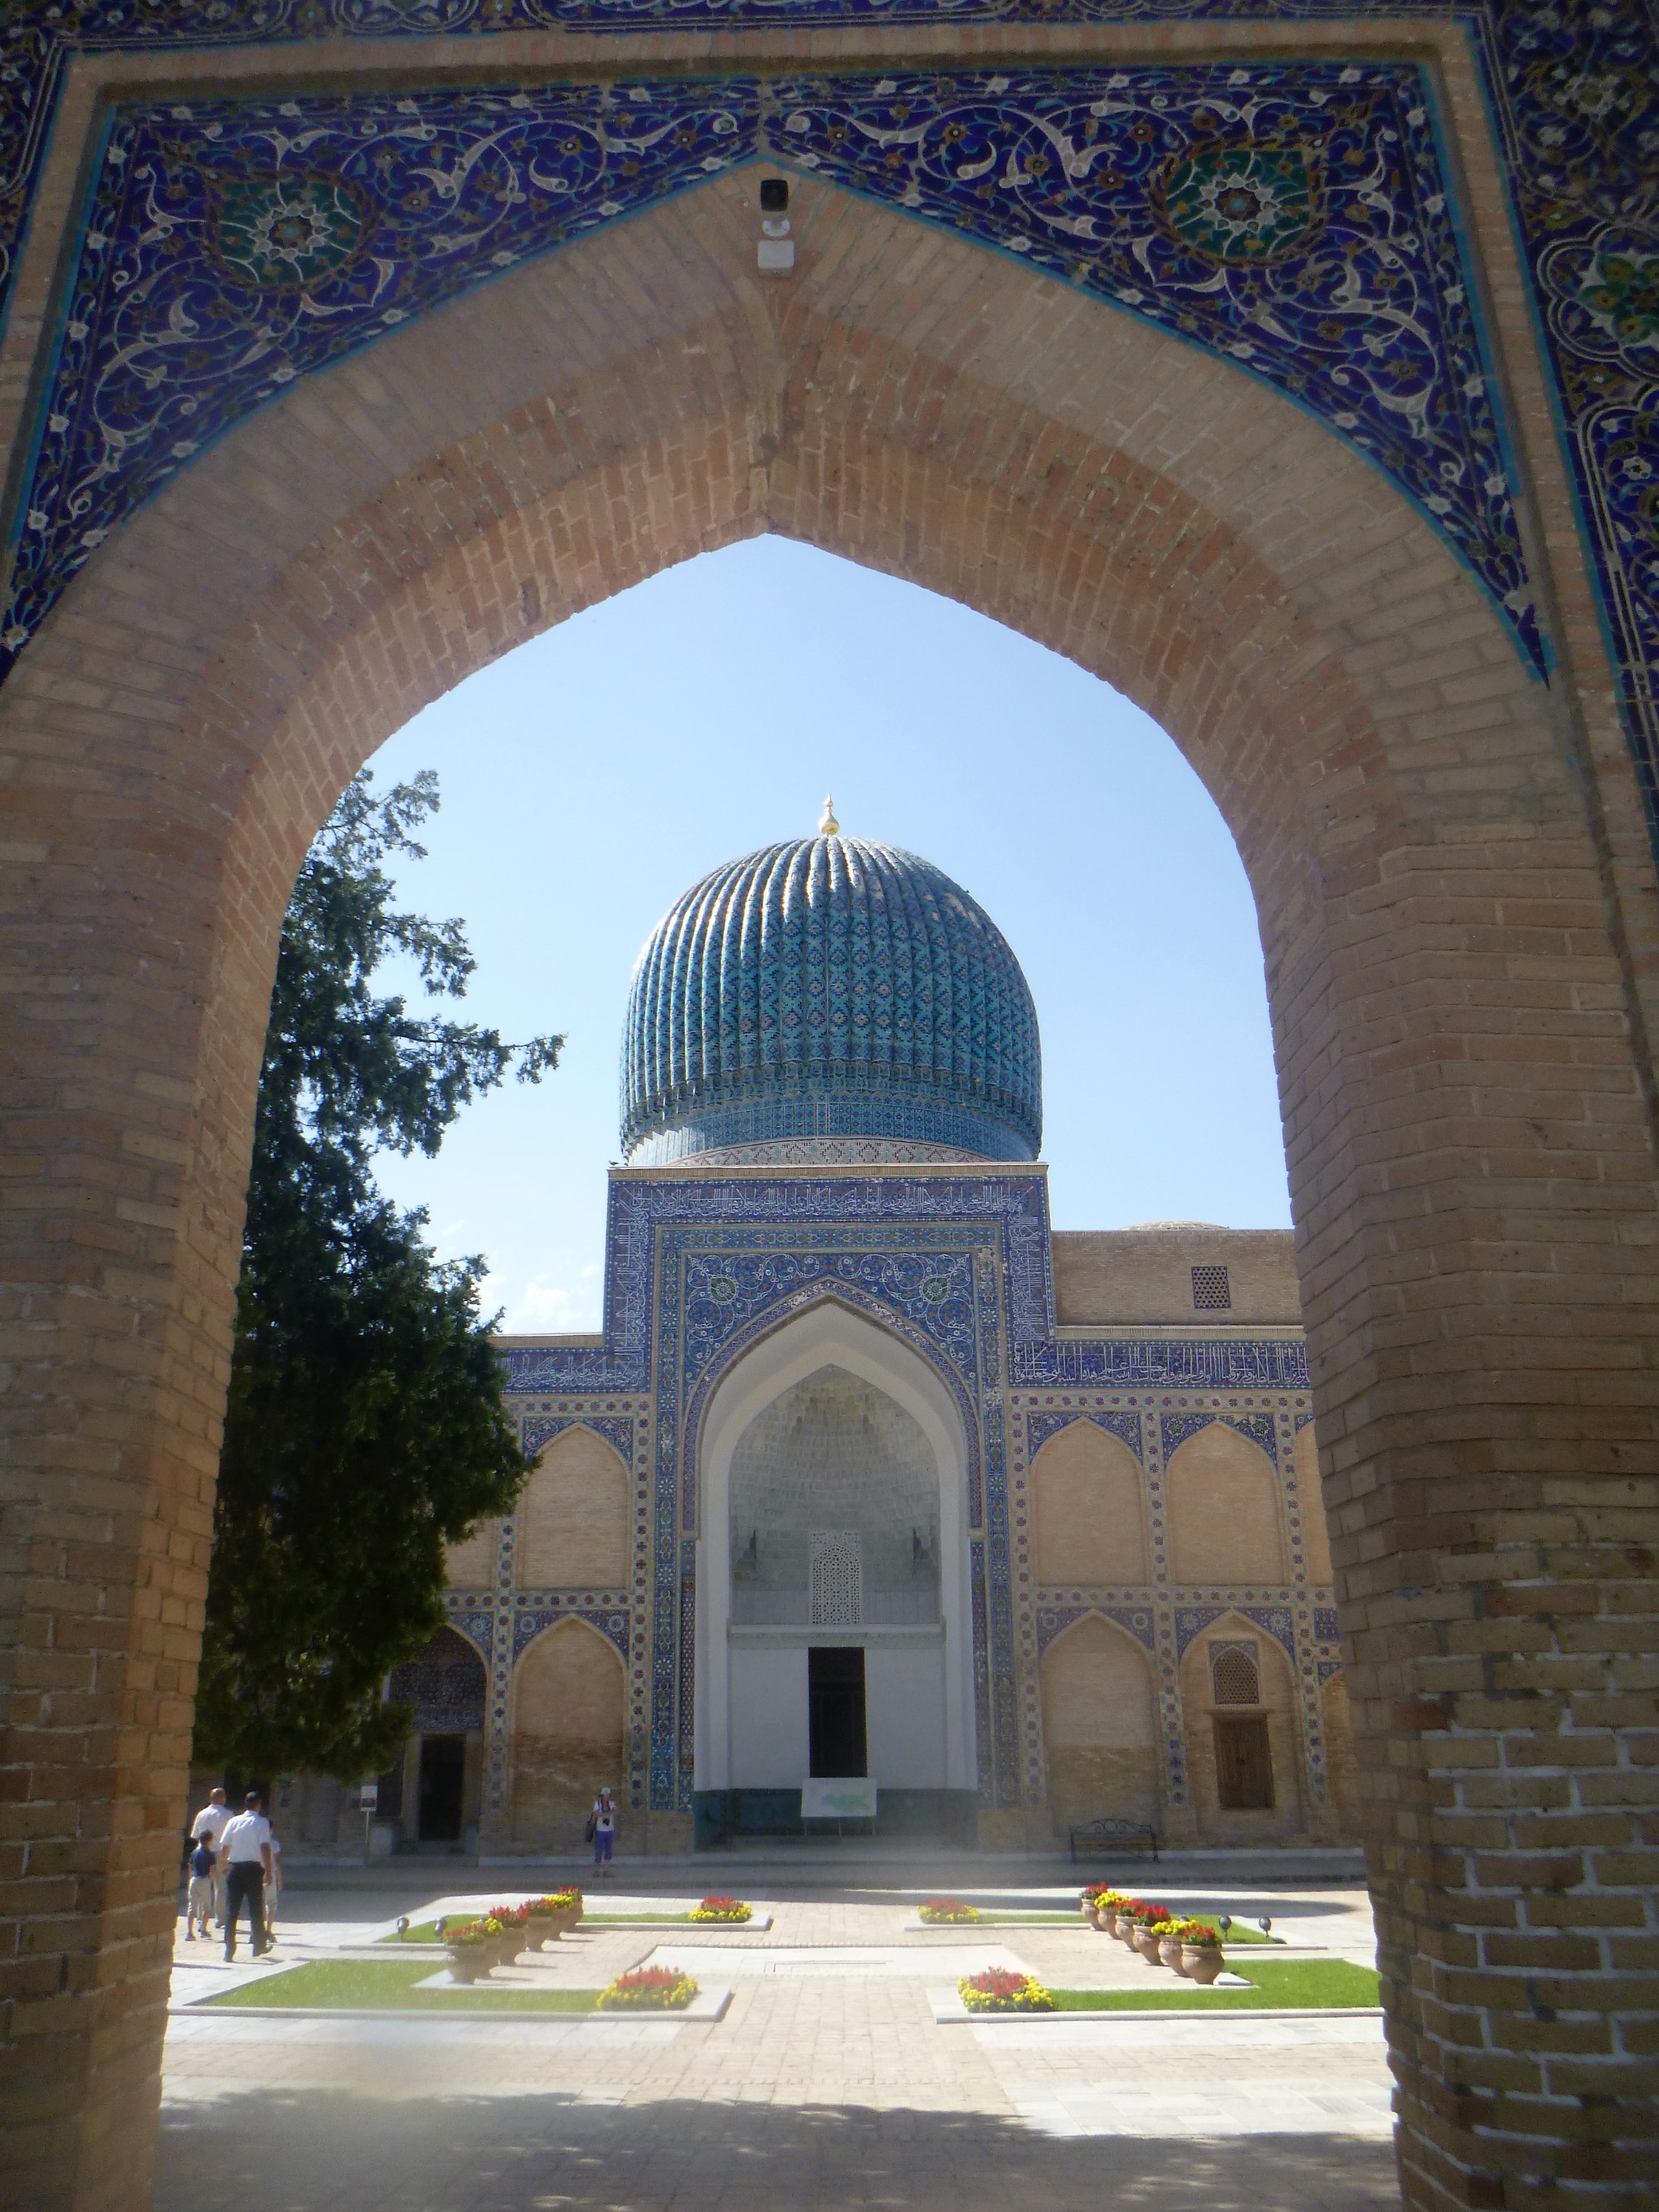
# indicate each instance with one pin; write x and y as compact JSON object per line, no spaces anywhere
{"x":824,"y":989}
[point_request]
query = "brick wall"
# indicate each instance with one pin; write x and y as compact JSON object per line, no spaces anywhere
{"x":1458,"y":922}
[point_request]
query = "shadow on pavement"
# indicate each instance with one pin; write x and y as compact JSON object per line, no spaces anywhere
{"x":268,"y":2150}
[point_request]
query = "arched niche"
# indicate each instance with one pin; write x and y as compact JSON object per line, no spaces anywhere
{"x":1088,"y":1509}
{"x":569,"y":1732}
{"x":572,"y":1515}
{"x":751,"y":1678}
{"x":1099,"y":1726}
{"x":1275,"y":1712}
{"x":1225,"y":1512}
{"x":1315,"y":1529}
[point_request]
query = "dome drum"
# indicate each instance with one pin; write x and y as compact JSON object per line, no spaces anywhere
{"x":828,"y":987}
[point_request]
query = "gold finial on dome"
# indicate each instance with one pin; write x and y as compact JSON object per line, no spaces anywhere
{"x":829,"y":827}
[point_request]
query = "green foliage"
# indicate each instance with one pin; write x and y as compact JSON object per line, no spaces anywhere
{"x":365,"y":1427}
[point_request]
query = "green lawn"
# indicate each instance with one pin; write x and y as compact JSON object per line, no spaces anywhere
{"x":1335,"y":1984}
{"x":388,"y":1986}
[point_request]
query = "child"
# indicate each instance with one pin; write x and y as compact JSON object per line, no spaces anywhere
{"x":198,"y":1902}
{"x":273,"y":1886}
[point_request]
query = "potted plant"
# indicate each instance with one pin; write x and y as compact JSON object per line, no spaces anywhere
{"x":513,"y":1925}
{"x":649,"y":1989}
{"x":999,"y":1989}
{"x":727,"y":1910}
{"x":947,"y":1912}
{"x":1168,"y":1933}
{"x":471,"y":1952}
{"x":567,"y":1903}
{"x":1145,"y":1942}
{"x":1201,"y":1956}
{"x":541,"y":1922}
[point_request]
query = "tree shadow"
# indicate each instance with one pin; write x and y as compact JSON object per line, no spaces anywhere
{"x":268,"y":2149}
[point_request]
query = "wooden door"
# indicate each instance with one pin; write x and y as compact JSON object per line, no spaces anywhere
{"x":1243,"y":1763}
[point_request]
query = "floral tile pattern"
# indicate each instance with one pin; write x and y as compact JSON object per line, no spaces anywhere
{"x":1574,"y":97}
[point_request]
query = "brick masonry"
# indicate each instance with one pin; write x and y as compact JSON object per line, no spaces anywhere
{"x":1457,"y":908}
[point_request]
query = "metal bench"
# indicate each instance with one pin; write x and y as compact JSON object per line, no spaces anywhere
{"x":1096,"y":1836}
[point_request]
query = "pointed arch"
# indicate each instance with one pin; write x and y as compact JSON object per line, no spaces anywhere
{"x":1226,"y":1511}
{"x":1088,"y":1509}
{"x":569,"y":1732}
{"x":572,"y":1515}
{"x":832,"y":1333}
{"x":1276,"y":1716}
{"x":1100,"y":1725}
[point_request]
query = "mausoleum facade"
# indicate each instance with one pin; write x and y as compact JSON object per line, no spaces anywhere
{"x":872,"y":1474}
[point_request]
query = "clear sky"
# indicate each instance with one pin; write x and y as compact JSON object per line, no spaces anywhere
{"x":591,"y":775}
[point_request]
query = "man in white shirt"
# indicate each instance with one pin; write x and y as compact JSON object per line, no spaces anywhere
{"x":207,"y":1826}
{"x":245,"y":1854}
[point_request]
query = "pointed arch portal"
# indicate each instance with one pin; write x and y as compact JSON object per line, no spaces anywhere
{"x":1065,"y":338}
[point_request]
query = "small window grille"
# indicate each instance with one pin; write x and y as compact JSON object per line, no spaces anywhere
{"x":838,"y":1578}
{"x":1211,"y":1288}
{"x":1234,"y":1675}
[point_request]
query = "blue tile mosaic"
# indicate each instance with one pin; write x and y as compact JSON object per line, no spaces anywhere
{"x":825,"y":987}
{"x":1126,"y":1427}
{"x":1176,"y":1428}
{"x":1295,"y":219}
{"x":1052,"y":1619}
{"x":1572,"y":92}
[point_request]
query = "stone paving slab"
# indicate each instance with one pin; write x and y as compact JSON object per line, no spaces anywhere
{"x":826,"y":2085}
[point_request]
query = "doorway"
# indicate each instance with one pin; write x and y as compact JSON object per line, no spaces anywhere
{"x":834,"y":1697}
{"x":443,"y":1770}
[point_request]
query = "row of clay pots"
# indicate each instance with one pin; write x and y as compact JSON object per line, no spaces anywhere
{"x":467,"y":1961}
{"x":1197,"y":1962}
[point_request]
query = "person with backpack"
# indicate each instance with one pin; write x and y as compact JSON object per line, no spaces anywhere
{"x":602,"y":1831}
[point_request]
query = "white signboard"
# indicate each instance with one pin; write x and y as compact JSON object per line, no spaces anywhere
{"x":368,"y":1796}
{"x":851,"y":1797}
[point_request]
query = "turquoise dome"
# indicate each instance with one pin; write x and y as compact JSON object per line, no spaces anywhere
{"x":829,"y":988}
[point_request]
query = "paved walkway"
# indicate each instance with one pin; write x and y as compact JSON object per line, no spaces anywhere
{"x":828,"y":2084}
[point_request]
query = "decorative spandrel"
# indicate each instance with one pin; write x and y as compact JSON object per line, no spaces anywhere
{"x":1293,"y":220}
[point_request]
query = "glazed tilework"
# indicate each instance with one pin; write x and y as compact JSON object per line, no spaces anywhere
{"x":1295,"y":219}
{"x":828,"y":987}
{"x":1571,"y":92}
{"x":957,"y":1267}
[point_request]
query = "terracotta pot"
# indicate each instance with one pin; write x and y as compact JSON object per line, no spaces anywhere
{"x":508,"y":1948}
{"x":1147,"y":1944}
{"x":544,"y":1930}
{"x":1123,"y":1928}
{"x":570,"y":1917}
{"x":1201,"y":1962}
{"x":1169,"y":1949}
{"x":467,"y":1961}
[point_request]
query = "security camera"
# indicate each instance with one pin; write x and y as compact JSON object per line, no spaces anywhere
{"x":776,"y":256}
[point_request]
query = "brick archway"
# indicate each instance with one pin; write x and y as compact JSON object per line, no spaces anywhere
{"x":1459,"y":1069}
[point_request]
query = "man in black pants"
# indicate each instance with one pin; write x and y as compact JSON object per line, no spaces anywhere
{"x":245,"y":1854}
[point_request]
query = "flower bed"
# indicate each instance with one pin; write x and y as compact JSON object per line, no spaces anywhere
{"x":948,"y":1913}
{"x":1000,"y":1990}
{"x":727,"y":1909}
{"x":649,"y":1989}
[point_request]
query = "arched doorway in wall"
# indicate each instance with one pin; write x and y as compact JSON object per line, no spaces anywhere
{"x":1132,"y":512}
{"x":437,"y":1778}
{"x":833,"y":1631}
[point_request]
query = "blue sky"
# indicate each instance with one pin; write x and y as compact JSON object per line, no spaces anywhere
{"x":591,"y":775}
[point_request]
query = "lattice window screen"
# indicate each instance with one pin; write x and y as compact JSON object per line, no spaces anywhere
{"x":1234,"y":1675}
{"x":1211,"y":1288}
{"x":838,"y":1578}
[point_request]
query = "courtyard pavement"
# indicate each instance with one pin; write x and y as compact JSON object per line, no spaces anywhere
{"x":829,"y":2083}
